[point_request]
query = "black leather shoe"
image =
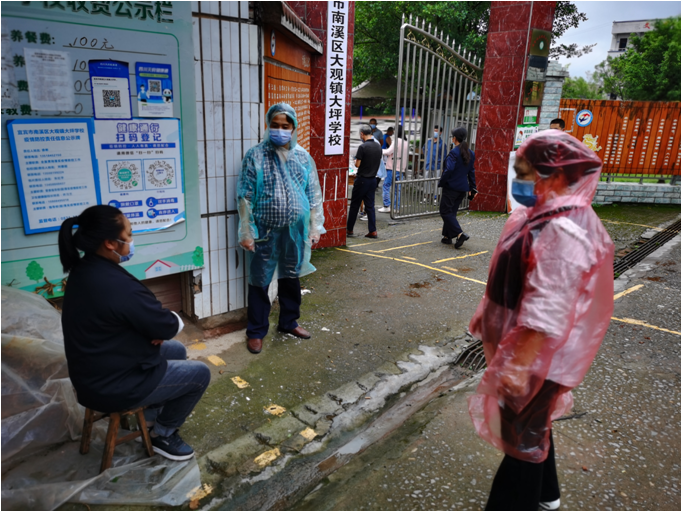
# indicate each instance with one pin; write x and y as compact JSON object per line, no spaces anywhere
{"x":459,"y":241}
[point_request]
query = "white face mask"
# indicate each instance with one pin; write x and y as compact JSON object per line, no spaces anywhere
{"x":436,"y":134}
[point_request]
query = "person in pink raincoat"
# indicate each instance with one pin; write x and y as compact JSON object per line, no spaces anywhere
{"x":546,"y":309}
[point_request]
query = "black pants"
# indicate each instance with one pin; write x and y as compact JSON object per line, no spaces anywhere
{"x":522,"y":485}
{"x":364,"y":189}
{"x":259,"y":307}
{"x":449,"y":207}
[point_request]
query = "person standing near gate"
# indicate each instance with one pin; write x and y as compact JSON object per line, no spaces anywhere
{"x":280,"y":218}
{"x":378,"y":134}
{"x":397,"y":156}
{"x":546,"y":309}
{"x":436,"y":152}
{"x":457,"y":181}
{"x":367,"y":160}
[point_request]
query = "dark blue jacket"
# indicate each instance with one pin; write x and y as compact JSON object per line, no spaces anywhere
{"x":457,"y":175}
{"x":109,"y":319}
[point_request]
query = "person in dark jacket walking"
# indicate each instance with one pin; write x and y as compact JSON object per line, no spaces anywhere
{"x":115,"y":333}
{"x":457,"y":181}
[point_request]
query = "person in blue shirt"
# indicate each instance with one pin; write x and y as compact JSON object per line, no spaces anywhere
{"x":457,"y":181}
{"x":436,"y":152}
{"x":388,"y":137}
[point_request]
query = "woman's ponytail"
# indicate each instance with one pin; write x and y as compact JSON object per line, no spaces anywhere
{"x":461,"y":134}
{"x":68,"y":252}
{"x":95,"y":225}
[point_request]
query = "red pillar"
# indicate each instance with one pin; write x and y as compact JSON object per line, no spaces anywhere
{"x":506,"y":62}
{"x":333,"y":169}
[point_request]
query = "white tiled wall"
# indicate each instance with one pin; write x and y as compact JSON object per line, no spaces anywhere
{"x":229,"y":112}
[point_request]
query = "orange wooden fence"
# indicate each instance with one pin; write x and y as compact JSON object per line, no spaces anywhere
{"x":630,"y":137}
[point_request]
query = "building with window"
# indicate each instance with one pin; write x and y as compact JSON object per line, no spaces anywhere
{"x":622,"y":32}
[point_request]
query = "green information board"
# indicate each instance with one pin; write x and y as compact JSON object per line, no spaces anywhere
{"x":39,"y":37}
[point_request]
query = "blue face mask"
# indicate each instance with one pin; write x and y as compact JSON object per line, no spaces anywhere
{"x":523,"y":192}
{"x":280,"y":137}
{"x":373,"y":126}
{"x":124,"y":258}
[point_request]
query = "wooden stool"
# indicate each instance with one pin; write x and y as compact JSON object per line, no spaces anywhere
{"x":112,"y":440}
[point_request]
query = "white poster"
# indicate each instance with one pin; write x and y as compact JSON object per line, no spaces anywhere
{"x":10,"y":93}
{"x":140,"y":170}
{"x":110,"y":97}
{"x":50,"y":81}
{"x":53,"y":163}
{"x":336,"y":66}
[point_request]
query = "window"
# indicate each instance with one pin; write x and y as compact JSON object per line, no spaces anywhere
{"x":623,"y":44}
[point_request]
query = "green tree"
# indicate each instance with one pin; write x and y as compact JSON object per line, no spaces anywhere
{"x":197,"y":257}
{"x":650,"y":70}
{"x":377,"y":31}
{"x":608,"y":77}
{"x":582,"y":88}
{"x":34,"y":271}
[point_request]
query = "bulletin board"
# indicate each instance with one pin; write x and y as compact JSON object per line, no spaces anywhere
{"x":56,"y":34}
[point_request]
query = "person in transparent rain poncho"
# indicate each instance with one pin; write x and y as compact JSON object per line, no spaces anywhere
{"x":545,"y":311}
{"x":280,"y":218}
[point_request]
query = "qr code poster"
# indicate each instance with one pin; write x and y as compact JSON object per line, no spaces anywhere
{"x":160,"y":174}
{"x":125,"y":176}
{"x":110,"y":89}
{"x":154,"y":89}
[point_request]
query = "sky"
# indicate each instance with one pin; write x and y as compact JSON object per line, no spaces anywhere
{"x":598,"y":28}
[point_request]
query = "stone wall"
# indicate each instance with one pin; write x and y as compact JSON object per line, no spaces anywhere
{"x":633,"y":192}
{"x":553,"y":89}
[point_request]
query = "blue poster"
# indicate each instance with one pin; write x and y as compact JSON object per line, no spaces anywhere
{"x":110,"y":80}
{"x":154,"y":89}
{"x":55,"y":170}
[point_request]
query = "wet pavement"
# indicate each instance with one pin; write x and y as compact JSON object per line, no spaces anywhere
{"x":372,"y":304}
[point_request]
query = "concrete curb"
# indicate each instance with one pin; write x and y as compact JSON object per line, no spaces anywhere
{"x":307,"y":428}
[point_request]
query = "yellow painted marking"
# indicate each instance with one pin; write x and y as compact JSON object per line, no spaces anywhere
{"x":410,"y":258}
{"x":308,"y":433}
{"x":275,"y":409}
{"x":629,"y":223}
{"x":626,"y":292}
{"x":439,"y":270}
{"x":393,"y":239}
{"x":397,"y":248}
{"x":216,"y":361}
{"x":198,"y":346}
{"x":241,"y":383}
{"x":267,"y":457}
{"x":448,"y":268}
{"x":643,"y":323}
{"x":459,"y":257}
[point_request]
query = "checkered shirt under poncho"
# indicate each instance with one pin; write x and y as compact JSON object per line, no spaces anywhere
{"x":279,"y":195}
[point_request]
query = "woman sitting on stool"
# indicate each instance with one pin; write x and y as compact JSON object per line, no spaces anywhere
{"x":114,"y":331}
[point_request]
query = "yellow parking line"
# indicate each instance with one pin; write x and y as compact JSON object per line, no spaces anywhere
{"x":392,"y":239}
{"x":448,"y":268}
{"x":397,"y":248}
{"x":459,"y":257}
{"x":440,"y":270}
{"x":629,"y":223}
{"x":405,"y":257}
{"x":625,"y":293}
{"x":643,"y":323}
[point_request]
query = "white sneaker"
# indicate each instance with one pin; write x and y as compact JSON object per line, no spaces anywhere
{"x":385,"y":209}
{"x":550,"y":505}
{"x":365,"y":218}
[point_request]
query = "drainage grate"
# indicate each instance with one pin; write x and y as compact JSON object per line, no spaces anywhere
{"x":472,"y":358}
{"x":633,"y":258}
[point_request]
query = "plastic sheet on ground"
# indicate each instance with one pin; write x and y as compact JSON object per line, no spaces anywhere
{"x":42,"y":422}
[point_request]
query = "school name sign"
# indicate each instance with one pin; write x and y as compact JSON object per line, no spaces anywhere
{"x":336,"y":68}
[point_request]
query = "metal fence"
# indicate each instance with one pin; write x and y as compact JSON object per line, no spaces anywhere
{"x":438,"y":84}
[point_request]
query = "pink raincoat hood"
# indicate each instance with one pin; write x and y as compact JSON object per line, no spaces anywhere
{"x":551,"y":276}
